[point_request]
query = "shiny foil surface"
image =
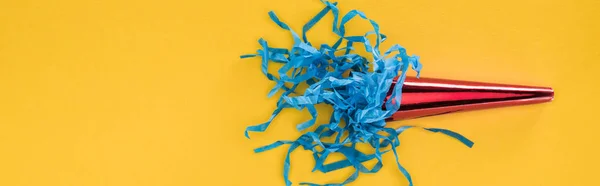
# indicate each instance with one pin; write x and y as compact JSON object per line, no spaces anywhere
{"x":423,"y":97}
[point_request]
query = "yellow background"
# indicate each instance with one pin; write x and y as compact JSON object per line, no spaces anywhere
{"x":149,"y":93}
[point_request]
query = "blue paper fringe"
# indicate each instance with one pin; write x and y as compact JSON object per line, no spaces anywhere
{"x":359,"y":110}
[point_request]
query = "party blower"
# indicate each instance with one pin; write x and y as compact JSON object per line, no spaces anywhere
{"x":364,"y":101}
{"x":423,"y":97}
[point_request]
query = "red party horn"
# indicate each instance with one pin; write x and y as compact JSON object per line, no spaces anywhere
{"x":423,"y":97}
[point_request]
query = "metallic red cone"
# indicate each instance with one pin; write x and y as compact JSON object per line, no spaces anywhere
{"x":428,"y":97}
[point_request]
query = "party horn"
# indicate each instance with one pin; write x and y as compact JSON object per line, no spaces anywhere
{"x":423,"y":97}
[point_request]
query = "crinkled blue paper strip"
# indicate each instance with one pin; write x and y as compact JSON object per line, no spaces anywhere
{"x":358,"y":99}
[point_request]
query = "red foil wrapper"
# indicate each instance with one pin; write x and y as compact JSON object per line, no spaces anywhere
{"x":428,"y":97}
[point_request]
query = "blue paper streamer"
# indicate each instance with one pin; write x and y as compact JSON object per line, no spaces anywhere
{"x":359,"y":109}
